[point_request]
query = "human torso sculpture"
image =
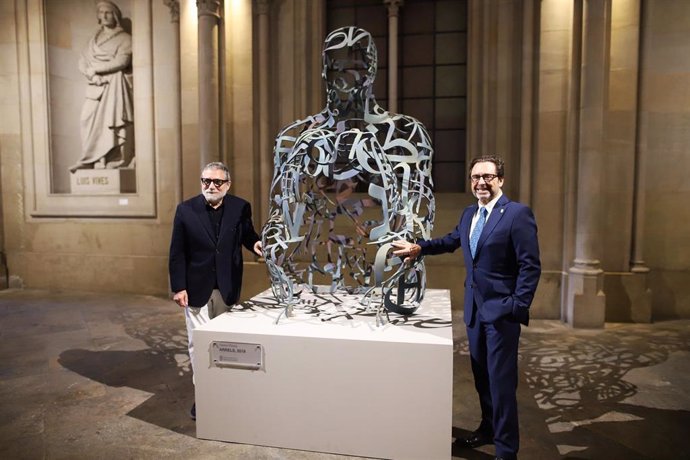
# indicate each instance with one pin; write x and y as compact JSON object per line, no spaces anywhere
{"x":347,"y":182}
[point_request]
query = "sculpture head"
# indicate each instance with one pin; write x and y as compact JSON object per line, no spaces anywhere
{"x":109,"y":14}
{"x":349,"y":61}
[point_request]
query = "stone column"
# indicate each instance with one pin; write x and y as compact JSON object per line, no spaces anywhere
{"x":176,"y":103}
{"x":223,"y":115}
{"x":393,"y":10}
{"x":265,"y":136}
{"x":297,"y":87}
{"x":640,"y":294}
{"x":483,"y":49}
{"x":208,"y":19}
{"x":586,"y":302}
{"x":527,"y":125}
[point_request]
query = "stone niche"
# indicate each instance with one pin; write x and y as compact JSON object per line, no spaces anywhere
{"x":59,"y":180}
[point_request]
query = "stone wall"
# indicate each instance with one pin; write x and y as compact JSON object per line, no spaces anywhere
{"x":527,"y":69}
{"x":665,"y":125}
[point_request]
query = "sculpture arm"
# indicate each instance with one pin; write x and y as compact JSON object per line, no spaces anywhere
{"x":83,"y":66}
{"x":120,"y":61}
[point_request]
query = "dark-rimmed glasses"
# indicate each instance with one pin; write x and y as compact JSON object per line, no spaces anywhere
{"x":217,"y":182}
{"x":487,"y":177}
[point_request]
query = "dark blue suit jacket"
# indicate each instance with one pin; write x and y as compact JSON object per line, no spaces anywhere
{"x":199,"y":261}
{"x":503,"y":276}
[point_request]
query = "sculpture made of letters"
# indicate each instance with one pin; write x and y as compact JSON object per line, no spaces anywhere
{"x":347,"y":182}
{"x":107,"y":117}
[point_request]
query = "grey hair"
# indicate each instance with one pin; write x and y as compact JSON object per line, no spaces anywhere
{"x":218,"y":165}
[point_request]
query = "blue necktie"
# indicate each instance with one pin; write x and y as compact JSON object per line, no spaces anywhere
{"x":476,"y":233}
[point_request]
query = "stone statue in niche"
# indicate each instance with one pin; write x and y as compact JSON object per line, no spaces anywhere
{"x":347,"y":182}
{"x":107,"y":118}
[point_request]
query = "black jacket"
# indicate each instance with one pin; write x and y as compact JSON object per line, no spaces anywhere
{"x":198,"y":260}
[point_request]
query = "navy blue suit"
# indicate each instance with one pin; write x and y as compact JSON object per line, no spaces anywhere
{"x":500,"y":285}
{"x":199,"y":261}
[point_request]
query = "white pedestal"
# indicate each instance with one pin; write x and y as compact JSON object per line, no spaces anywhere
{"x":331,"y":381}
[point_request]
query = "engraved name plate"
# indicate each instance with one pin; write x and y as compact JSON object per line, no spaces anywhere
{"x":236,"y":354}
{"x":103,"y":181}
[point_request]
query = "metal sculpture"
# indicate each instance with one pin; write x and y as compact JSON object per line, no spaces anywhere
{"x":347,"y":182}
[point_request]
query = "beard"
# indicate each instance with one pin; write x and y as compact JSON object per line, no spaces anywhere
{"x":213,"y":197}
{"x":480,"y":192}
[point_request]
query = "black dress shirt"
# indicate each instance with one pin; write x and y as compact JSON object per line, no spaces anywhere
{"x":216,"y":216}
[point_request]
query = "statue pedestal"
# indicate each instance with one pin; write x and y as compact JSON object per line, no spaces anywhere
{"x":328,"y":379}
{"x":103,"y":181}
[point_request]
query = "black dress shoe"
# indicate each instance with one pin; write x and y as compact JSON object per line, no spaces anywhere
{"x":474,"y":440}
{"x":192,"y":412}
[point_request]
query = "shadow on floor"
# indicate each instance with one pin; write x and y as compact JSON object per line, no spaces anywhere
{"x":152,"y":372}
{"x":161,"y":369}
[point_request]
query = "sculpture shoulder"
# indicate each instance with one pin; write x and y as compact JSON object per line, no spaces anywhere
{"x":298,"y":126}
{"x":411,"y":126}
{"x":120,"y":38}
{"x":408,"y":121}
{"x":124,"y":37}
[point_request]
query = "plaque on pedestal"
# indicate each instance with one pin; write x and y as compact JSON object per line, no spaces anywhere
{"x":103,"y":181}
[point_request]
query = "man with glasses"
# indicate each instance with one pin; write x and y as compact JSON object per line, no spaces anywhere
{"x":206,"y":251}
{"x":501,"y":252}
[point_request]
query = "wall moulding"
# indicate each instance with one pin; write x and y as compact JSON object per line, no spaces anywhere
{"x":52,"y":93}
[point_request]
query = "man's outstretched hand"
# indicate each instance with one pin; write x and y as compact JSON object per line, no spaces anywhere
{"x":406,"y":249}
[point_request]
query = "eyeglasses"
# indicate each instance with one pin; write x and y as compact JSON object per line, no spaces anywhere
{"x":217,"y":182}
{"x":487,"y":177}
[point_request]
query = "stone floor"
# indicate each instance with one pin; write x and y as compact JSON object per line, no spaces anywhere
{"x":86,"y":376}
